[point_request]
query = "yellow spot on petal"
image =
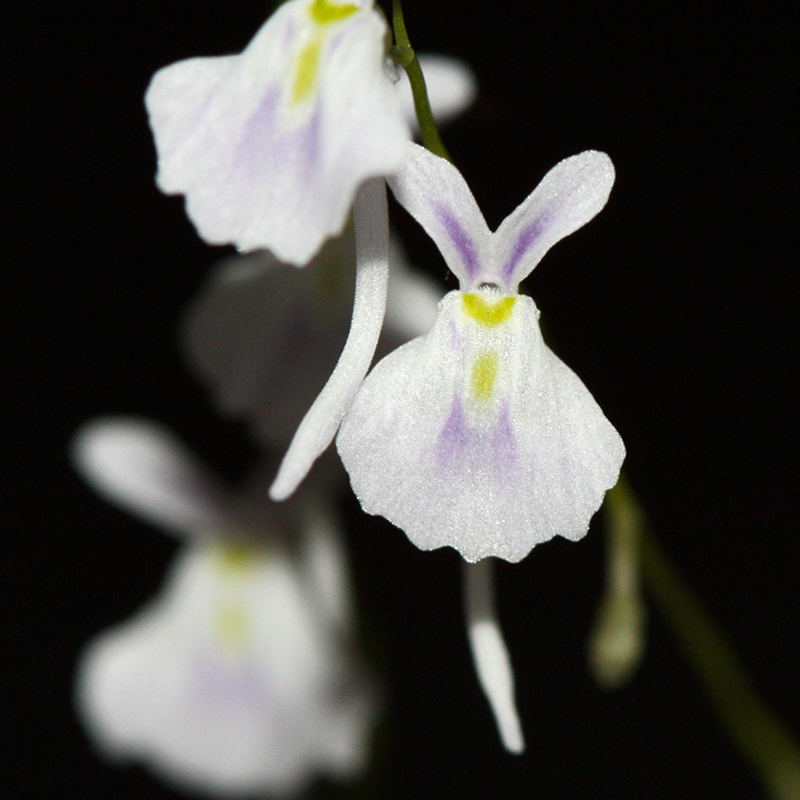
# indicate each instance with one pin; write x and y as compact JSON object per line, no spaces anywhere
{"x":487,"y":313}
{"x":232,"y":625}
{"x":484,"y":373}
{"x":237,"y":557}
{"x":325,"y":13}
{"x":305,"y":78}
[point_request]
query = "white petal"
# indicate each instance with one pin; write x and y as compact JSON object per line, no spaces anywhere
{"x":228,"y":684}
{"x":569,"y":196}
{"x":451,"y":85}
{"x":432,"y":190}
{"x":141,"y":467}
{"x":322,"y":421}
{"x":262,"y":163}
{"x":490,"y":459}
{"x":489,"y":651}
{"x":176,"y":99}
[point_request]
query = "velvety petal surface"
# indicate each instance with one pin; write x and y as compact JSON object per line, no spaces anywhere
{"x":433,"y":191}
{"x":569,"y":196}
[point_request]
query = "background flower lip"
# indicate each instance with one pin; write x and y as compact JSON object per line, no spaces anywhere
{"x":263,"y":337}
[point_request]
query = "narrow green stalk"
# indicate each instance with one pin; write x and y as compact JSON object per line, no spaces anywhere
{"x":617,"y":640}
{"x":762,"y":739}
{"x":404,"y":55}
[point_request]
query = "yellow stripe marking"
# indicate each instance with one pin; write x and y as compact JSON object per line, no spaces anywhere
{"x":232,"y":625}
{"x":307,"y":68}
{"x":484,"y":373}
{"x":236,"y":558}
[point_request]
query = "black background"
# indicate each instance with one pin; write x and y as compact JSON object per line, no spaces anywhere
{"x":677,"y":306}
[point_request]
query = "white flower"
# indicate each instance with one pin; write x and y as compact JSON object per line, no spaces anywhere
{"x":477,"y":436}
{"x":269,"y":146}
{"x":238,"y":678}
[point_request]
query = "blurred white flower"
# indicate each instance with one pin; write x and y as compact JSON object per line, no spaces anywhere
{"x":239,"y":678}
{"x":269,"y":146}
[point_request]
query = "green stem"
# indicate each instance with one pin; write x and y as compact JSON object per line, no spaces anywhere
{"x":617,"y":640}
{"x":762,"y":739}
{"x":404,"y":55}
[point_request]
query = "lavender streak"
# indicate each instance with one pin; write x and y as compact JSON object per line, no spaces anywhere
{"x":527,"y":239}
{"x":497,"y":448}
{"x":250,"y":151}
{"x":459,"y":237}
{"x":216,"y":683}
{"x":454,"y":436}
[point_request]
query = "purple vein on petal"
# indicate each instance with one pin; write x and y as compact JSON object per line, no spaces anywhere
{"x":216,"y":683}
{"x":463,"y":244}
{"x":310,"y":143}
{"x":495,"y":450}
{"x":504,"y":444}
{"x":259,"y":131}
{"x":454,"y":436}
{"x":527,"y":239}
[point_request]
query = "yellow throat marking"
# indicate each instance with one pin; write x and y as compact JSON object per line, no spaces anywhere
{"x":232,"y":625}
{"x":486,"y":313}
{"x":236,"y":558}
{"x":323,"y":14}
{"x":305,"y":78}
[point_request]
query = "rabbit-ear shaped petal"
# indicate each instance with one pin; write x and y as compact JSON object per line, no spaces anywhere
{"x":141,"y":467}
{"x":569,"y":196}
{"x":433,"y":191}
